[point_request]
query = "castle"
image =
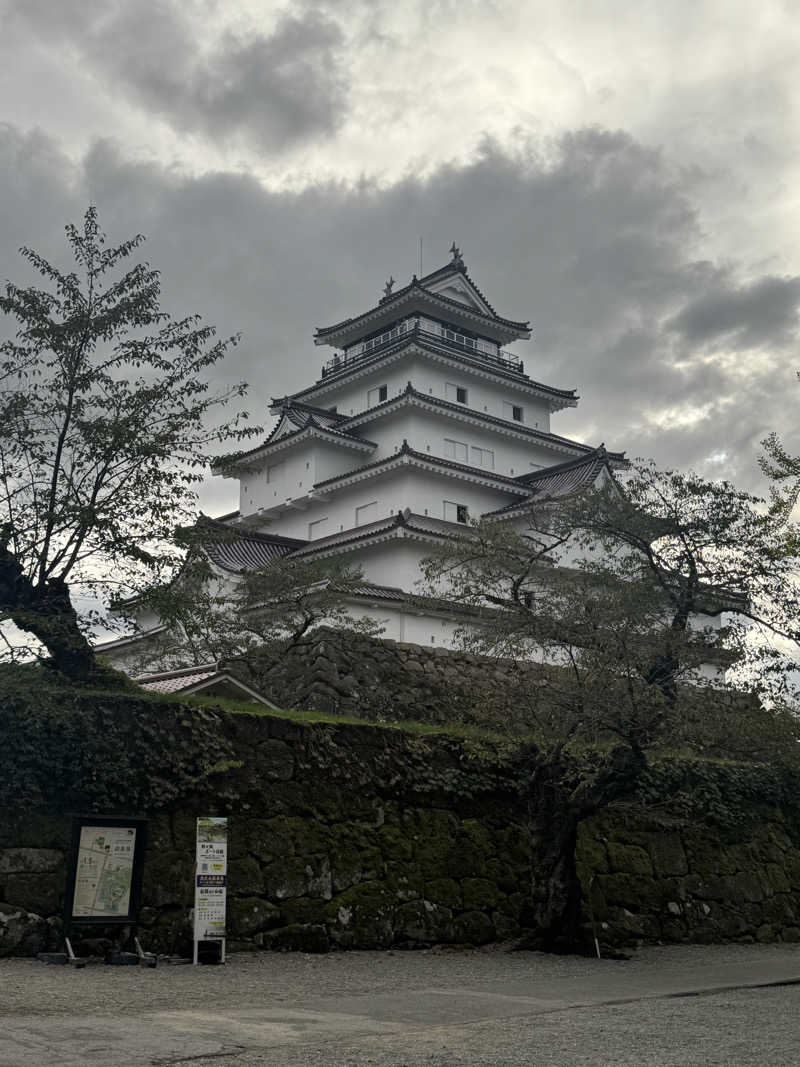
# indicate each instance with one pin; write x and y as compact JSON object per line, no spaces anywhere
{"x":418,"y":423}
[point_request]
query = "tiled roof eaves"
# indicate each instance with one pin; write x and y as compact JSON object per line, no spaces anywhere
{"x":507,"y":483}
{"x":278,"y":406}
{"x":333,"y":436}
{"x":591,"y":466}
{"x":569,"y":396}
{"x":598,"y":456}
{"x":232,"y":534}
{"x":394,"y":526}
{"x":465,"y":412}
{"x":401,"y":296}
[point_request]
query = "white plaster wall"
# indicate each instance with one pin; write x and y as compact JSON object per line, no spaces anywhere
{"x":391,"y":491}
{"x":426,"y":432}
{"x":293,"y":471}
{"x":431,"y":376}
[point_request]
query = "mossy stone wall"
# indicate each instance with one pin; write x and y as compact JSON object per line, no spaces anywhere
{"x":657,"y":880}
{"x":382,"y":680}
{"x":340,"y":836}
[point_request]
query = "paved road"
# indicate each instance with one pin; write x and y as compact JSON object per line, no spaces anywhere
{"x":667,"y":1006}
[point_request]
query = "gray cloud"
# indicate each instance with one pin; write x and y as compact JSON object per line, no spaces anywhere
{"x":756,"y":314}
{"x":272,"y":91}
{"x":592,"y":237}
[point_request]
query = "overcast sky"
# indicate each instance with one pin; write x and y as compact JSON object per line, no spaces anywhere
{"x":623,"y":174}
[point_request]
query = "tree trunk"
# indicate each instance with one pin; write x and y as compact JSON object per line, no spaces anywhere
{"x":563,"y":794}
{"x":556,"y":890}
{"x":46,"y":611}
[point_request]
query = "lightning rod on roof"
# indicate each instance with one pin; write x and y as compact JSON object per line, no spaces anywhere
{"x":420,"y":257}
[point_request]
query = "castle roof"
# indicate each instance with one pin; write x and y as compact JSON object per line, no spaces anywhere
{"x":563,"y":479}
{"x":424,"y":459}
{"x":466,"y":304}
{"x":414,"y":396}
{"x":240,"y":549}
{"x":486,"y":366}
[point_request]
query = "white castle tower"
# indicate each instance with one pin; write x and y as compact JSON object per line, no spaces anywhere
{"x":418,"y":423}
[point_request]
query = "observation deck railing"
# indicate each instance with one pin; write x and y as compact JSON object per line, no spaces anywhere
{"x":431,"y":332}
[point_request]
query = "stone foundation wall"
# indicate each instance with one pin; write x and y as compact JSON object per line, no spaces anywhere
{"x":339,"y":837}
{"x":363,"y":836}
{"x":381,"y":680}
{"x":652,"y":881}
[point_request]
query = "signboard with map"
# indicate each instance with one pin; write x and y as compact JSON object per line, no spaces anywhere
{"x":105,"y":873}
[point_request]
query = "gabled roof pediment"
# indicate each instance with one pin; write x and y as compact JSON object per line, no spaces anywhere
{"x":448,"y":293}
{"x":459,"y":287}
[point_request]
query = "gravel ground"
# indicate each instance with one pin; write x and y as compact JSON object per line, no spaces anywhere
{"x":28,"y":987}
{"x":492,"y":1020}
{"x":748,"y":1028}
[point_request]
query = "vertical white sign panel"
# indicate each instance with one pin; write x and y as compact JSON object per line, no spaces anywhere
{"x":211,"y":878}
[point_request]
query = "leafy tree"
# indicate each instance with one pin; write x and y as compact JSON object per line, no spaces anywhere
{"x":105,"y":430}
{"x":249,"y":617}
{"x":784,"y":471}
{"x":705,"y":547}
{"x":609,"y":592}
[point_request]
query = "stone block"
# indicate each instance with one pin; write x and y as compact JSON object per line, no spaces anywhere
{"x":637,"y":893}
{"x":405,"y":881}
{"x":168,"y":878}
{"x":504,"y":876}
{"x":275,"y":760}
{"x":269,"y":839}
{"x":245,"y":878}
{"x":473,"y":928}
{"x":668,"y":856}
{"x":480,"y":894}
{"x":591,"y":854}
{"x":303,"y":910}
{"x":361,"y":917}
{"x":247,"y":916}
{"x":22,"y":933}
{"x":30,"y":860}
{"x":298,"y":877}
{"x":312,"y":938}
{"x":423,"y":921}
{"x":628,"y":859}
{"x":775,"y":877}
{"x":745,"y":886}
{"x":42,"y":894}
{"x":443,"y":891}
{"x":395,"y":842}
{"x":506,"y":927}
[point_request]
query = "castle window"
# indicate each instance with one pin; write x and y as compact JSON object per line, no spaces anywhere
{"x":483,"y":457}
{"x":367,"y":513}
{"x":456,"y":393}
{"x":377,"y":395}
{"x":456,"y":512}
{"x":455,"y":450}
{"x":317,"y":528}
{"x":513,"y":412}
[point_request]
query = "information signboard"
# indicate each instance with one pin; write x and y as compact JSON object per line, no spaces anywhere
{"x":105,"y":871}
{"x":210,"y":883}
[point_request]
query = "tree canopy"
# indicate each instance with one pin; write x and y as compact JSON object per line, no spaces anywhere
{"x":106,"y":426}
{"x":636,"y":598}
{"x":263,"y":610}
